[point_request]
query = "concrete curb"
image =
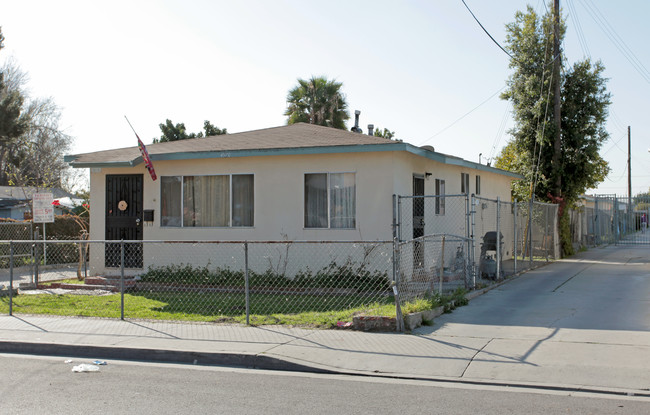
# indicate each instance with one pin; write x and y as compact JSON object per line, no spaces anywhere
{"x":261,"y":362}
{"x":239,"y":360}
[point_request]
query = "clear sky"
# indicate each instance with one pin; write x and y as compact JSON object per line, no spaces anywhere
{"x":423,"y":69}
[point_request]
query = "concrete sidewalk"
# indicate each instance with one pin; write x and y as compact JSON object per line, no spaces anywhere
{"x":542,"y":329}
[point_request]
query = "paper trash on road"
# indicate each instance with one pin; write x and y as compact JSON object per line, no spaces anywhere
{"x":85,"y":368}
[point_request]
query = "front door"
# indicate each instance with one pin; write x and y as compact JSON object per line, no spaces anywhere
{"x":123,"y":219}
{"x":418,"y":221}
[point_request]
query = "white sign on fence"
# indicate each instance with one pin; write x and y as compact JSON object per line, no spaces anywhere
{"x":43,"y":208}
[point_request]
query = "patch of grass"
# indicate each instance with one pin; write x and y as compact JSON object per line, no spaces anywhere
{"x":320,"y":311}
{"x":316,"y":311}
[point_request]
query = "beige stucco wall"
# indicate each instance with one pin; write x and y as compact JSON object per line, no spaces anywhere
{"x":279,"y":197}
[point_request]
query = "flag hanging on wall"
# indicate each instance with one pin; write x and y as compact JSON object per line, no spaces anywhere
{"x":145,"y":154}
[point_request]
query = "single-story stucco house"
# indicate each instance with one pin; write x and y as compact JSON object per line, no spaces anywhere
{"x":296,"y":182}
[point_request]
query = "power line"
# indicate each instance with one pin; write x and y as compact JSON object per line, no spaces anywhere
{"x":500,"y":131}
{"x":497,"y":43}
{"x":486,"y":32}
{"x":615,"y":144}
{"x":472,"y":110}
{"x":578,"y":27}
{"x":609,"y":31}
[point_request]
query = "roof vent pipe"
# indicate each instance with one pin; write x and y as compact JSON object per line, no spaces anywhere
{"x":356,"y":128}
{"x":371,"y":128}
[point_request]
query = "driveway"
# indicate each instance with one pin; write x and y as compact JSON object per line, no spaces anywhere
{"x":580,"y":321}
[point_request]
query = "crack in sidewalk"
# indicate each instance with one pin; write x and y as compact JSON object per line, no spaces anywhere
{"x":462,"y":375}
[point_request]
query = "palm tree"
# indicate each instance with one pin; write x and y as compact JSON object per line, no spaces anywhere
{"x":317,"y":101}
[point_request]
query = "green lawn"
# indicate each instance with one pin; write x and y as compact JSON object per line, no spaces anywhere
{"x":323,"y":311}
{"x":317,"y":311}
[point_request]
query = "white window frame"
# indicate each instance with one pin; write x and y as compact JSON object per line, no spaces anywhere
{"x":478,"y":185}
{"x":329,"y":198}
{"x":230,"y":200}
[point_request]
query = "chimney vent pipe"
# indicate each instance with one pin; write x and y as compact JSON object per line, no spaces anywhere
{"x":356,"y":128}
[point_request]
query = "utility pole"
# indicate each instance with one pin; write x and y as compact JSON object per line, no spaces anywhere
{"x":557,"y":148}
{"x":629,"y":171}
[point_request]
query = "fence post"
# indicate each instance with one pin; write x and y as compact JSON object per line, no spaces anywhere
{"x":395,"y":243}
{"x":11,"y":278}
{"x":515,"y":236}
{"x":397,"y":237}
{"x":31,"y":262}
{"x":442,"y":265}
{"x":530,"y":231}
{"x":596,"y":223}
{"x":498,"y":238}
{"x":37,"y":258}
{"x":44,"y":246}
{"x":122,"y":279}
{"x":616,"y":224}
{"x":546,"y":229}
{"x":399,"y":218}
{"x":471,"y":268}
{"x":246,"y":282}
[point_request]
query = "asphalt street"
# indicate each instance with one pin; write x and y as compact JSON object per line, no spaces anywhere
{"x":43,"y":385}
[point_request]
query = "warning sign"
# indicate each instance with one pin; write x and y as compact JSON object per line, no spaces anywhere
{"x":43,"y":208}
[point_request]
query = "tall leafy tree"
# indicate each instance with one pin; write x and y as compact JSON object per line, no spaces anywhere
{"x":31,"y":143}
{"x":584,"y":103}
{"x":175,"y":132}
{"x":317,"y":101}
{"x":12,"y":122}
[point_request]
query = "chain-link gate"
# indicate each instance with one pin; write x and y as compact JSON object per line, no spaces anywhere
{"x":606,"y":219}
{"x":632,"y":220}
{"x":492,"y":238}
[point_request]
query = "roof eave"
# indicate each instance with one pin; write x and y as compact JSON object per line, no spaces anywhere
{"x":455,"y":161}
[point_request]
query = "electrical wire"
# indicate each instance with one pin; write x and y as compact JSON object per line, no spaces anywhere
{"x":619,"y":179}
{"x":497,"y":43}
{"x":609,"y":31}
{"x":615,"y":144}
{"x":500,"y":131}
{"x":470,"y":111}
{"x":578,"y":28}
{"x":486,"y":32}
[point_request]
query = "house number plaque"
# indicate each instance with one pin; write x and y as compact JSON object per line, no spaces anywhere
{"x":122,"y":205}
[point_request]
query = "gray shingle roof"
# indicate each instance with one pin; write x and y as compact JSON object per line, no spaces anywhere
{"x":294,"y":136}
{"x":290,"y":139}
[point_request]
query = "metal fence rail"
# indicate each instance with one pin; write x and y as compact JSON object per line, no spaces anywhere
{"x":441,"y":244}
{"x":608,"y":219}
{"x":433,"y":264}
{"x":206,"y":281}
{"x":501,"y":238}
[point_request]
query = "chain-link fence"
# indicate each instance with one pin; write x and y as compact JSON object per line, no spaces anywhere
{"x":289,"y":282}
{"x":607,"y":219}
{"x":15,"y":231}
{"x":441,"y":243}
{"x":495,"y":238}
{"x":432,"y":264}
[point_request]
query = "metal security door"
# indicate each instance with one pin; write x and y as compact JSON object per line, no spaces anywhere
{"x":124,"y":219}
